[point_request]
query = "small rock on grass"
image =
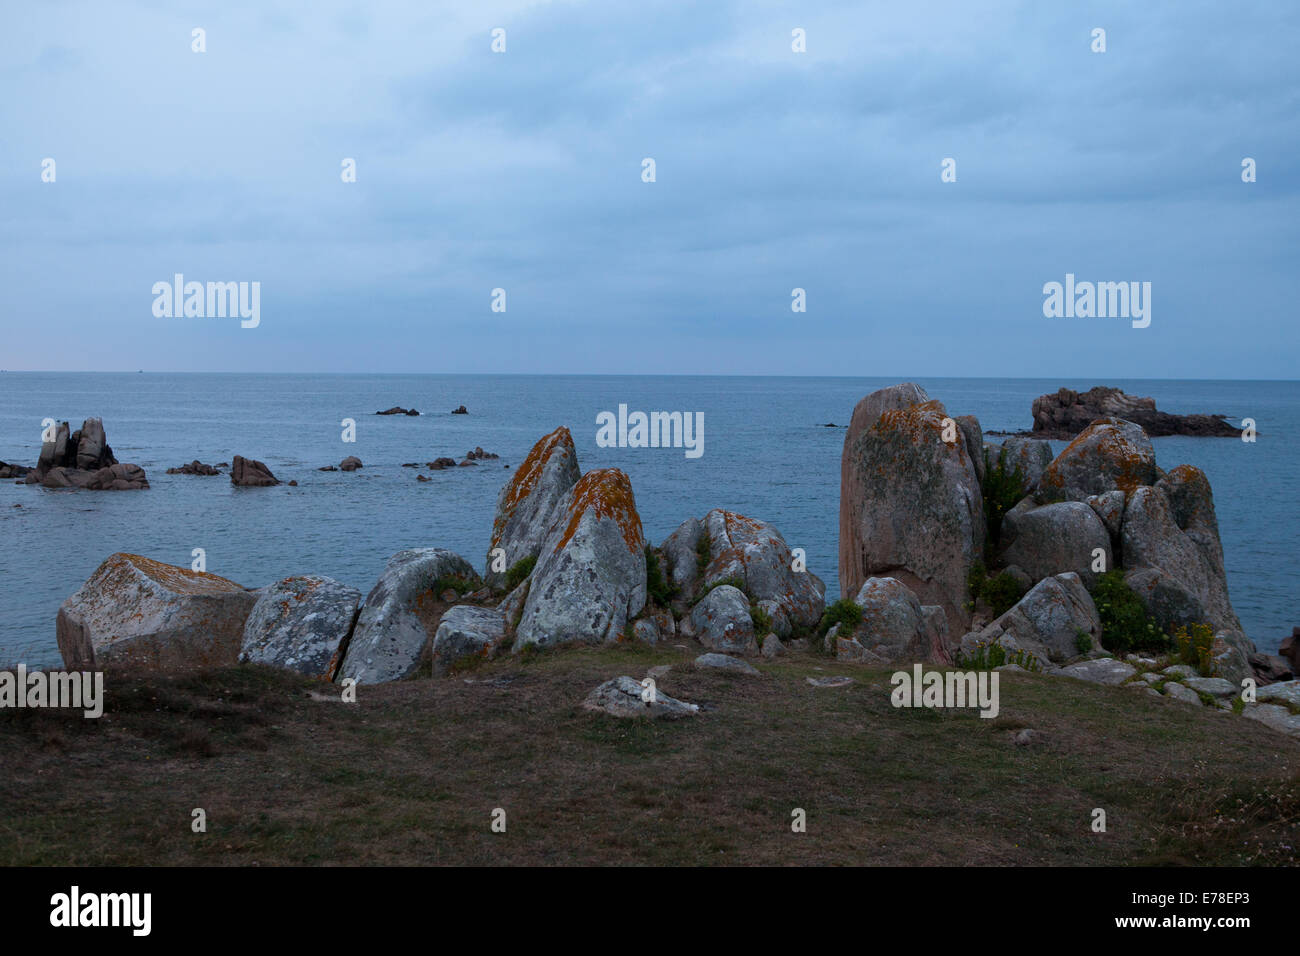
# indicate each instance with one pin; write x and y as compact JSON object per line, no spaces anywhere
{"x":1185,"y":694}
{"x":1286,"y":693}
{"x":1275,"y":716}
{"x":830,"y":681}
{"x":1215,"y":686}
{"x":622,"y":697}
{"x":725,"y":663}
{"x":1103,"y":670}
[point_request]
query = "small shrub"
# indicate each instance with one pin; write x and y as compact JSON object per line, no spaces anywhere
{"x":1125,"y":624}
{"x":1002,"y":488}
{"x":520,"y":570}
{"x":703,"y":553}
{"x":659,"y":590}
{"x":843,"y":611}
{"x":1000,"y":592}
{"x":986,"y":657}
{"x":1003,"y":592}
{"x":762,"y":620}
{"x":1195,"y":644}
{"x":452,"y":582}
{"x":1082,"y":641}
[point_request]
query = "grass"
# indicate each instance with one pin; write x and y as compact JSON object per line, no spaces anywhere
{"x":412,"y":772}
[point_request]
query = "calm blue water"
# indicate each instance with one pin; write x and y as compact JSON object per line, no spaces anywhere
{"x":764,"y":456}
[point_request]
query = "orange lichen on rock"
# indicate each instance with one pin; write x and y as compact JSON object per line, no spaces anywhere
{"x":177,"y":580}
{"x":1190,"y":495}
{"x":1130,"y":467}
{"x":606,"y":493}
{"x":733,"y":522}
{"x":527,"y":475}
{"x":914,"y":421}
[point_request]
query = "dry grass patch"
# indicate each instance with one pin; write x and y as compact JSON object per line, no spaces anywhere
{"x":412,"y":772}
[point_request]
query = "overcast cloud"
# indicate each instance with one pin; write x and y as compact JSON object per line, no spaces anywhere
{"x":775,"y":170}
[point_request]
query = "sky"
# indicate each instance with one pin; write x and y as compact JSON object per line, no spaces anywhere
{"x":775,"y":170}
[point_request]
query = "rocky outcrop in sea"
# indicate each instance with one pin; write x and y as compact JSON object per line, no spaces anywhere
{"x":83,"y":459}
{"x":1065,"y":413}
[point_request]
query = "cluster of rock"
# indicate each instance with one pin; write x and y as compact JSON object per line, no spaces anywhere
{"x":739,"y":568}
{"x":82,"y":459}
{"x":398,"y":410}
{"x":1065,"y":413}
{"x":460,"y":410}
{"x":568,"y":563}
{"x":911,"y":511}
{"x":582,"y":542}
{"x":10,"y":470}
{"x":1276,"y":705}
{"x":478,"y":454}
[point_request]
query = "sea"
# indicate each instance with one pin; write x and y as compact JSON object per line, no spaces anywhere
{"x":767,"y":453}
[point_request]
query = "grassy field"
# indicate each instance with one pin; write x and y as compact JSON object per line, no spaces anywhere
{"x":412,"y":773}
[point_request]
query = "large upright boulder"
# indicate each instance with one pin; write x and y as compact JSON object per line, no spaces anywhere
{"x":590,"y":576}
{"x":141,"y":613}
{"x":54,"y":454}
{"x":911,"y":506}
{"x":395,"y":628}
{"x":1043,"y":540}
{"x":93,"y":452}
{"x":531,"y":499}
{"x":1048,"y":622}
{"x":301,"y":624}
{"x":1109,"y":454}
{"x":1172,"y":555}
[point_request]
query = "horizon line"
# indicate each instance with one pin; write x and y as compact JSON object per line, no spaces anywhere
{"x":905,"y":378}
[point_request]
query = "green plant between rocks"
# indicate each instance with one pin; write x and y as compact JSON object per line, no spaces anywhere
{"x":1125,"y":624}
{"x":844,"y":612}
{"x":703,"y":553}
{"x":990,"y":655}
{"x":1001,"y":592}
{"x":452,"y":582}
{"x":658,"y":589}
{"x":1002,"y":489}
{"x":1195,"y":644}
{"x":520,"y":570}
